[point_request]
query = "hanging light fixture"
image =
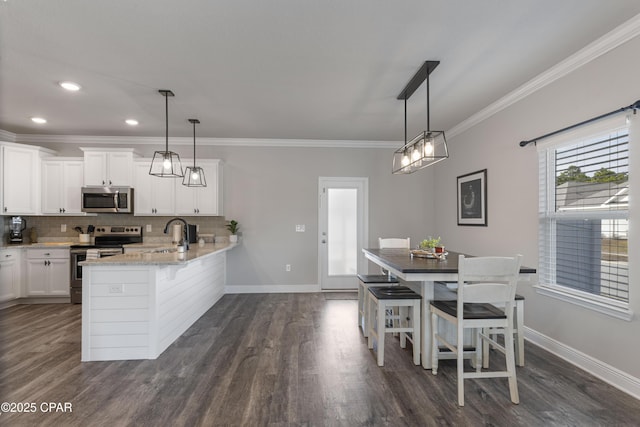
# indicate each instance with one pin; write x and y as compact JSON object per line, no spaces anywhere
{"x":194,"y":175}
{"x":166,"y":164}
{"x":430,"y":146}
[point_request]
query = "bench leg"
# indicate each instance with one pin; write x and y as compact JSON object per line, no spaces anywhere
{"x":381,"y":326}
{"x":520,"y":335}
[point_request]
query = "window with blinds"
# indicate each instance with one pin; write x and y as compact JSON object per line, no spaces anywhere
{"x":584,"y":200}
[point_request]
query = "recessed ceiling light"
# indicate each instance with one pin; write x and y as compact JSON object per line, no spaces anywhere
{"x":131,"y":122}
{"x":70,"y":86}
{"x":38,"y":120}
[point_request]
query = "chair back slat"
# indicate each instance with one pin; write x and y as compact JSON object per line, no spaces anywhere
{"x":488,"y":279}
{"x":486,"y":292}
{"x":394,"y":243}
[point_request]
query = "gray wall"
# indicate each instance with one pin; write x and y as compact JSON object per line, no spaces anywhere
{"x":603,"y":85}
{"x":271,"y":189}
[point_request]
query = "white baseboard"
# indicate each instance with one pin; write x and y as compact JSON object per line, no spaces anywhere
{"x":34,"y":300}
{"x":271,"y":289}
{"x":607,"y":373}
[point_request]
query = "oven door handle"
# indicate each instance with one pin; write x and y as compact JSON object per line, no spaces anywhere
{"x":116,"y":200}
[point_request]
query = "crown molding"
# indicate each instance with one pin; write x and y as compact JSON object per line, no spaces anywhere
{"x":616,"y":37}
{"x":234,"y":142}
{"x":7,"y":136}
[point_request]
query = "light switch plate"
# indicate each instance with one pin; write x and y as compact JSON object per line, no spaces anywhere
{"x":300,"y":228}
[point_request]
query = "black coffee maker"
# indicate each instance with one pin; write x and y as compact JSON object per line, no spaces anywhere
{"x":16,"y":227}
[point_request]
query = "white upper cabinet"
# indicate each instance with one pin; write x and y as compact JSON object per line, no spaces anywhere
{"x":153,"y":195}
{"x":20,"y":178}
{"x":201,"y":200}
{"x":106,"y":168}
{"x":61,"y":186}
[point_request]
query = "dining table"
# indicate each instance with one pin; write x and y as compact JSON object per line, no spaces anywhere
{"x":421,"y":273}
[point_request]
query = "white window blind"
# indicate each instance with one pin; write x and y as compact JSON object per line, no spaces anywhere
{"x":583,"y":215}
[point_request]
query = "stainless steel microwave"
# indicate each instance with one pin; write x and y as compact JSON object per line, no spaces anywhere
{"x":107,"y":199}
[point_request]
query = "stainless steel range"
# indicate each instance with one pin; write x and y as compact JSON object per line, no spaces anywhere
{"x":109,"y":241}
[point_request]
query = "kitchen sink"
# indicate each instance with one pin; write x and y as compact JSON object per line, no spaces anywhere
{"x":162,"y":251}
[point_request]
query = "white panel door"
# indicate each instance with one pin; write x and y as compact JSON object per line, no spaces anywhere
{"x":343,"y":220}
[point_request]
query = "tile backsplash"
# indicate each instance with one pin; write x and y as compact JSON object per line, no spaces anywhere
{"x":48,"y":228}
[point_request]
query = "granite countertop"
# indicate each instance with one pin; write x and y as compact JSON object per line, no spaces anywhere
{"x":61,"y":245}
{"x":156,"y":255}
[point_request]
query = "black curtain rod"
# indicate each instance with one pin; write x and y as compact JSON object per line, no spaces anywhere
{"x":634,"y":107}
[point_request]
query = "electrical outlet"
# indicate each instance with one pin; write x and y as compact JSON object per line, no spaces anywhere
{"x":287,"y":267}
{"x":149,"y":228}
{"x":300,"y":228}
{"x":197,"y":228}
{"x":63,"y":228}
{"x":116,"y":289}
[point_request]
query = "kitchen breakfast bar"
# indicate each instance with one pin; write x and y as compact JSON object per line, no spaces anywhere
{"x":135,"y":305}
{"x":420,"y":274}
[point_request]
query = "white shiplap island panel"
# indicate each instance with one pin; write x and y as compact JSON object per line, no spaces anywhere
{"x":134,"y":307}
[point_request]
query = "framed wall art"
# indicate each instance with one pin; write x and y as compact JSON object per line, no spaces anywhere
{"x":472,"y":199}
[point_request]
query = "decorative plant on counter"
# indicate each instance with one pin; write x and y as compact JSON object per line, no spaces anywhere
{"x":233,"y":227}
{"x":430,"y":243}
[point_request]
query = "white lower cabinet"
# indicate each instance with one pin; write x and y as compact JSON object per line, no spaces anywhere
{"x":9,"y":274}
{"x":48,"y":272}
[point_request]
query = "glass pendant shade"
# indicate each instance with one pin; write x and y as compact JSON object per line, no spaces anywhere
{"x":430,"y":146}
{"x":194,"y":175}
{"x":426,"y":149}
{"x":166,"y":164}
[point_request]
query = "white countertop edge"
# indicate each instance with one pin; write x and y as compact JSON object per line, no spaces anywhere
{"x":150,"y":258}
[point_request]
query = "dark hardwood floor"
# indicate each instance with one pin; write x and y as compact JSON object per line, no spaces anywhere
{"x":279,"y":360}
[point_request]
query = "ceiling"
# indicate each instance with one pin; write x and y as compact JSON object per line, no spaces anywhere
{"x":282,"y":69}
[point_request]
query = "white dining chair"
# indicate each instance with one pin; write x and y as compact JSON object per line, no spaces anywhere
{"x":483,"y":283}
{"x":518,"y":334}
{"x":364,"y":282}
{"x":386,"y":279}
{"x":380,"y":300}
{"x":394,"y":243}
{"x":518,"y":327}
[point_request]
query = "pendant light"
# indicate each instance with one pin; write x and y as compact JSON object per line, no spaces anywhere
{"x":430,"y":146}
{"x":194,"y":175}
{"x":166,"y":164}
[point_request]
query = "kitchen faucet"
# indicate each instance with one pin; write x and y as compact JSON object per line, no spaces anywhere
{"x":185,"y":239}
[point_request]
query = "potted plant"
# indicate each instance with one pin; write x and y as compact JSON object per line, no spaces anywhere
{"x":233,"y":227}
{"x":430,"y":244}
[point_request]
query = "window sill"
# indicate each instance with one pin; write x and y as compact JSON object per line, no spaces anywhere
{"x":585,"y":300}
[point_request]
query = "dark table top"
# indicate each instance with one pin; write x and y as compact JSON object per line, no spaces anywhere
{"x":401,"y":260}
